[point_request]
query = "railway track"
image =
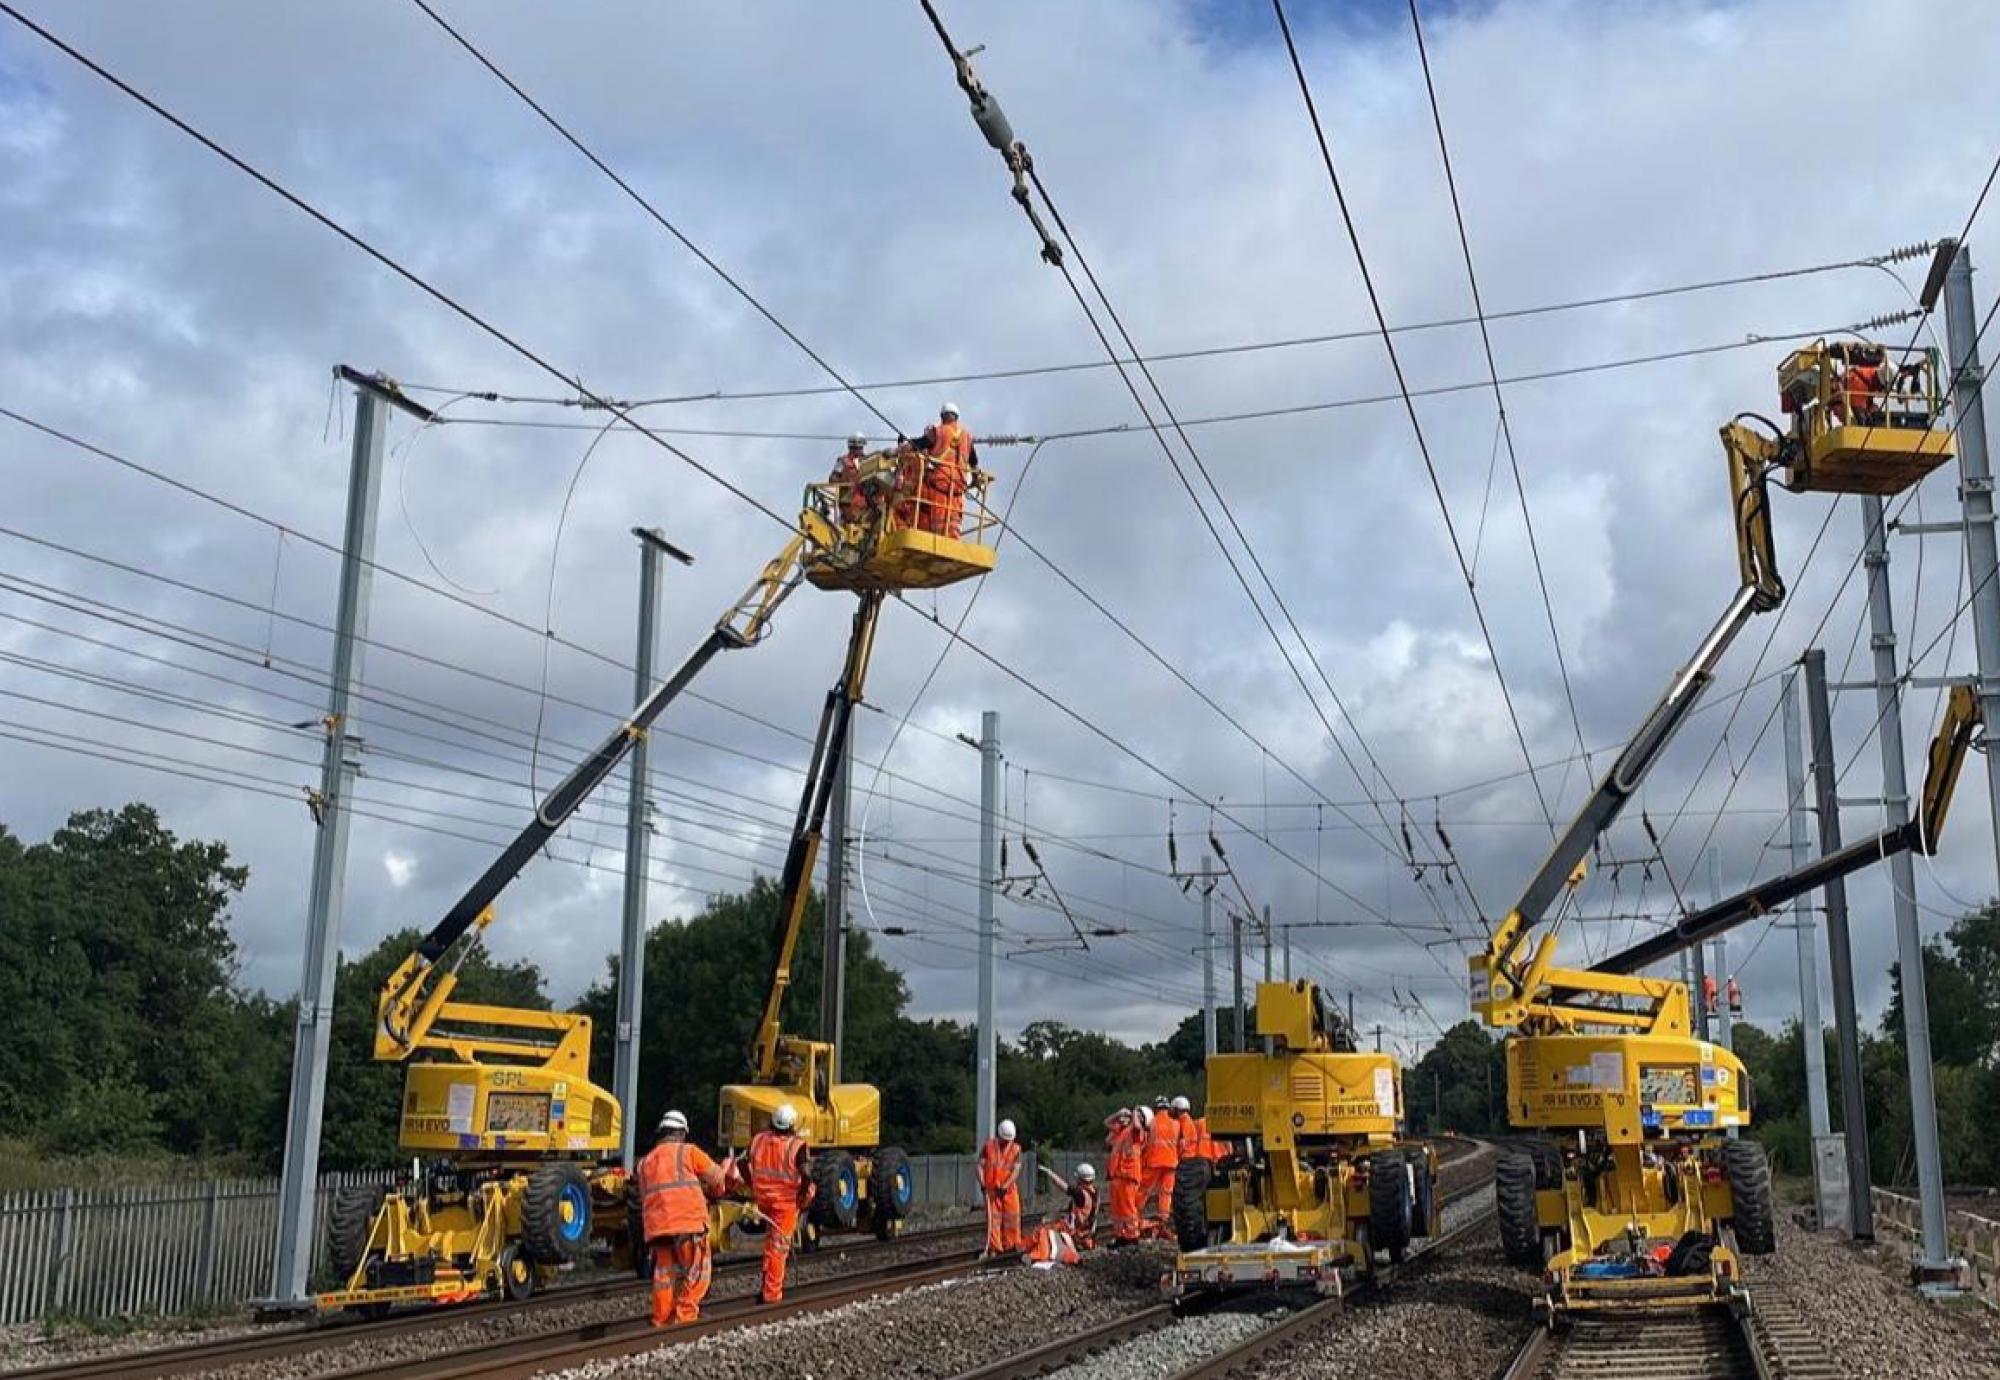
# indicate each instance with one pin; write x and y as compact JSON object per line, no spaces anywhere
{"x":190,"y":1357}
{"x":1766,"y":1341}
{"x":1090,"y":1341}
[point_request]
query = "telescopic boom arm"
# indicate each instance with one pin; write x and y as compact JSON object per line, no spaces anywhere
{"x":412,"y":1000}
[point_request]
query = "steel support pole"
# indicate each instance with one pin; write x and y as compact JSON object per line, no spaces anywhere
{"x":1236,"y":970}
{"x":1288,"y":953}
{"x":985,"y":1067}
{"x":1699,"y":990}
{"x":298,"y":1184}
{"x":1903,"y":886}
{"x":1804,"y":919}
{"x":1208,"y":1047}
{"x":833,"y":941}
{"x":638,"y":858}
{"x":1975,"y":488}
{"x":1840,"y":954}
{"x":1267,"y":943}
{"x":1718,"y":950}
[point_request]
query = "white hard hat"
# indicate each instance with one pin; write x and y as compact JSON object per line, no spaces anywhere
{"x":1085,"y":1172}
{"x":1181,"y":1104}
{"x":857,"y":439}
{"x":786,"y":1117}
{"x":949,"y":409}
{"x":1144,"y":1114}
{"x":674,"y":1121}
{"x":1005,"y":1130}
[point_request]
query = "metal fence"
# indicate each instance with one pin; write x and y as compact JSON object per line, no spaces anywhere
{"x":183,"y":1247}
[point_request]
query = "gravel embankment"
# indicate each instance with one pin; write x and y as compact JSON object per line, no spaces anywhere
{"x":35,"y":1344}
{"x":1857,"y":1299}
{"x":1202,"y":1335}
{"x":939,"y":1330}
{"x":489,"y":1327}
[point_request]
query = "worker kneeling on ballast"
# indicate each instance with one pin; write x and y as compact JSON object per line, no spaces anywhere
{"x":676,"y":1182}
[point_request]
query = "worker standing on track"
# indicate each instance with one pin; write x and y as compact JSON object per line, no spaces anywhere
{"x":781,"y":1183}
{"x":1160,"y":1158}
{"x":1121,"y":1164}
{"x":676,"y":1180}
{"x":1000,"y":1184}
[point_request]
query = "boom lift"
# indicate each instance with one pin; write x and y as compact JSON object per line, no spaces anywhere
{"x":520,"y":1146}
{"x":1316,"y":1180}
{"x":1625,"y":1202}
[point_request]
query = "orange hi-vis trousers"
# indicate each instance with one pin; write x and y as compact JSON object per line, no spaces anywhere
{"x":1124,"y":1209}
{"x":781,"y":1223}
{"x":1157,"y":1202}
{"x":680,"y":1278}
{"x":1003,"y":1220}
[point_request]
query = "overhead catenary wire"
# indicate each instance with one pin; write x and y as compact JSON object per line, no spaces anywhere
{"x":1499,"y":398}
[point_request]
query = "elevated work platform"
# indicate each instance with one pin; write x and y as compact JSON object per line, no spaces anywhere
{"x":896,"y":520}
{"x":1867,"y":418}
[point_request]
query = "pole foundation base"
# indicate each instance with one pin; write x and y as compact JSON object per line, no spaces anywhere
{"x":1942,"y":1279}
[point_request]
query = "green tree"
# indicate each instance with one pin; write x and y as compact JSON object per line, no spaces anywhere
{"x":117,"y":972}
{"x":1459,"y":1084}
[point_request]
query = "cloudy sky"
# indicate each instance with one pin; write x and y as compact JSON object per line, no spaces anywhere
{"x":155,"y":645}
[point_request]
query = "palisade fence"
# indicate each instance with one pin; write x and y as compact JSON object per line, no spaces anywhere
{"x":178,"y":1248}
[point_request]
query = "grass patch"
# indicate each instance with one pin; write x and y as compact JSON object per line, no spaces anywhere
{"x":25,"y":1167}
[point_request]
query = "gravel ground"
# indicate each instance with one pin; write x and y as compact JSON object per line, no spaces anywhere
{"x":938,"y":1330}
{"x":492,"y":1326}
{"x":1873,"y":1322}
{"x":1195,"y":1338}
{"x":36,"y":1344}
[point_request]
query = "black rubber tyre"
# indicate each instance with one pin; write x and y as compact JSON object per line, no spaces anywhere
{"x":1191,"y":1180}
{"x":1548,"y":1166}
{"x":838,"y":1204}
{"x":1425,"y":1202}
{"x":1514,"y":1197}
{"x":1749,"y":1175}
{"x":635,"y":1231}
{"x":555,"y":1215}
{"x":1391,"y":1205}
{"x":1693,"y":1254}
{"x":891,"y":1190}
{"x":517,"y":1273}
{"x":348,"y":1223}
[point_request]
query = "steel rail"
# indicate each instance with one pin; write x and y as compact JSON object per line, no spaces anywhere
{"x":187,"y":1357}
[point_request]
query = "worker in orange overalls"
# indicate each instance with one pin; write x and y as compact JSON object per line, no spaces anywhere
{"x":1735,"y":996}
{"x":847,"y":473}
{"x":1122,"y":1149}
{"x":1079,"y":1218}
{"x":1160,"y":1158}
{"x":934,"y":475}
{"x":1708,"y":992}
{"x":1863,"y":385}
{"x":676,"y":1180}
{"x":1000,"y":1184}
{"x":782,"y":1186}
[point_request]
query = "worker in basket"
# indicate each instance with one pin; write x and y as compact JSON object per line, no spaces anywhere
{"x":781,"y":1184}
{"x":1079,"y":1217}
{"x":676,"y":1182}
{"x":1864,"y":385}
{"x":1000,"y":1186}
{"x":1123,"y":1142}
{"x":936,"y":470}
{"x":846,"y":475}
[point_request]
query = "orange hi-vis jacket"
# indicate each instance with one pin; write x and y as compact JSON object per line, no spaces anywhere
{"x":999,"y":1165}
{"x":1163,"y":1142}
{"x":1122,"y":1156}
{"x":777,"y":1171}
{"x":1864,"y":382}
{"x":952,"y":443}
{"x":676,"y":1181}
